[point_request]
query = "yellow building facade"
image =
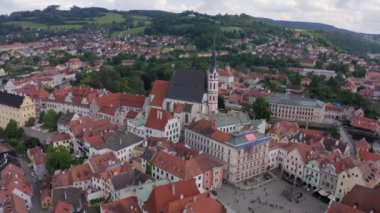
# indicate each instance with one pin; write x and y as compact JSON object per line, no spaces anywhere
{"x":15,"y":107}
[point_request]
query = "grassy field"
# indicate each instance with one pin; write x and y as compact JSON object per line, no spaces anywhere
{"x":231,"y":29}
{"x":35,"y":26}
{"x":141,"y":20}
{"x":108,"y":18}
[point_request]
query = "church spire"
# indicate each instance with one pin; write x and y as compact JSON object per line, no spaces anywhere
{"x":213,"y":64}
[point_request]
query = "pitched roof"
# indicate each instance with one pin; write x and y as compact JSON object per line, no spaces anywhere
{"x":364,"y":198}
{"x":70,"y":195}
{"x":60,"y":137}
{"x":63,"y":207}
{"x":336,"y":207}
{"x":81,"y":172}
{"x":184,"y":168}
{"x":127,"y":205}
{"x":62,"y":179}
{"x":367,"y":156}
{"x":362,"y":144}
{"x":17,"y":205}
{"x":157,"y":119}
{"x":129,"y":178}
{"x":187,"y":85}
{"x":103,"y":161}
{"x":208,"y":128}
{"x":196,"y":203}
{"x":109,"y":103}
{"x":162,"y":195}
{"x":118,"y":140}
{"x":159,"y":90}
{"x":10,"y":99}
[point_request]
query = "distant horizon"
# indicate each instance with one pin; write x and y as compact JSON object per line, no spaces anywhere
{"x":359,"y":16}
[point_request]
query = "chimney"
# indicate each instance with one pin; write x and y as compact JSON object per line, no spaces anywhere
{"x":181,"y":197}
{"x":65,"y":195}
{"x":337,"y":143}
{"x":173,"y":189}
{"x":194,"y":199}
{"x":120,"y":141}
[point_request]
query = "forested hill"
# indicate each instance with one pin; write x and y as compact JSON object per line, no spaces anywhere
{"x":199,"y":28}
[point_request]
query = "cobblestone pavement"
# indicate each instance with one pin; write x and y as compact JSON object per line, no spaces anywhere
{"x":264,"y":199}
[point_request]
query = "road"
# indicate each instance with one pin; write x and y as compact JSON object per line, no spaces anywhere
{"x":36,"y":204}
{"x":347,"y":137}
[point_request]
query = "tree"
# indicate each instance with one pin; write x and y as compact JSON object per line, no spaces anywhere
{"x":30,"y":122}
{"x":12,"y":130}
{"x":333,"y":131}
{"x":50,"y":120}
{"x":31,"y":142}
{"x":261,"y":109}
{"x":58,"y":158}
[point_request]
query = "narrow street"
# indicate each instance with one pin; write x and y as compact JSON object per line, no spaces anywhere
{"x":36,"y":208}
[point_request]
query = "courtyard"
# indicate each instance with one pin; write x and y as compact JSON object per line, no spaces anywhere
{"x":269,"y":198}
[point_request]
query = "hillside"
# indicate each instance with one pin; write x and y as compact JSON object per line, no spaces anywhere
{"x":199,"y":28}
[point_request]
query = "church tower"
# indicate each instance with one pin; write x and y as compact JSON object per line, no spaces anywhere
{"x":212,"y":84}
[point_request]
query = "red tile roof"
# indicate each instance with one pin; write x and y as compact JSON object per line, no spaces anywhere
{"x":60,"y":137}
{"x":226,"y":72}
{"x":336,"y":207}
{"x":367,"y":156}
{"x":283,"y":128}
{"x":62,"y":179}
{"x":94,"y":141}
{"x":209,"y":129}
{"x":364,"y":198}
{"x":184,"y":168}
{"x":158,"y":92}
{"x":63,"y":207}
{"x":109,"y":103}
{"x":15,"y":205}
{"x":157,"y":119}
{"x":162,"y":195}
{"x":81,"y":172}
{"x":364,"y":123}
{"x":88,"y":127}
{"x":103,"y":161}
{"x":362,"y":144}
{"x":131,"y":114}
{"x":127,"y":205}
{"x":179,"y":108}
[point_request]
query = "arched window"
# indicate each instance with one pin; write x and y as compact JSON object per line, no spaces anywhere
{"x":186,"y":118}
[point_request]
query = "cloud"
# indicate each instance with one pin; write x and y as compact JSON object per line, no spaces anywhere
{"x":357,"y":15}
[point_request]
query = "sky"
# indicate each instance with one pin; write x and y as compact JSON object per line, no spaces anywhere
{"x":356,"y":15}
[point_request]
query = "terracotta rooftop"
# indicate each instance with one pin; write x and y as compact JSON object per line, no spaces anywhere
{"x":362,"y":144}
{"x":60,"y":137}
{"x":364,"y":123}
{"x":63,"y":207}
{"x":157,"y":119}
{"x":363,"y":198}
{"x":103,"y":161}
{"x":162,"y":195}
{"x":81,"y":172}
{"x":336,"y":207}
{"x":127,"y":205}
{"x":158,"y":92}
{"x":367,"y":156}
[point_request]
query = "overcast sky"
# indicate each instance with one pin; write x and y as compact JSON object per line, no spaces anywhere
{"x":356,"y":15}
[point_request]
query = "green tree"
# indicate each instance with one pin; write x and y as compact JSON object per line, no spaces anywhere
{"x":50,"y":120}
{"x":148,"y":169}
{"x":58,"y":158}
{"x":261,"y":109}
{"x":30,"y":122}
{"x":31,"y":142}
{"x":12,"y":130}
{"x":333,"y":131}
